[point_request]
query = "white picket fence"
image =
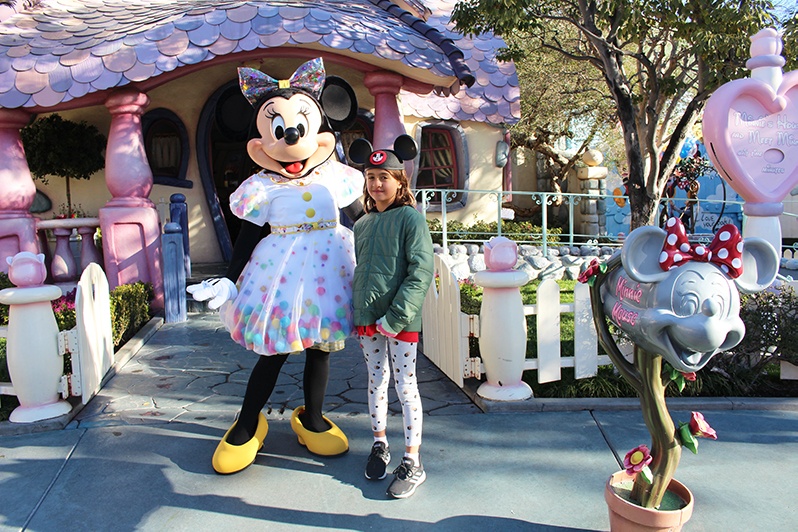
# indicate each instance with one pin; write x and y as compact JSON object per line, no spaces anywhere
{"x":447,"y":330}
{"x":89,"y":344}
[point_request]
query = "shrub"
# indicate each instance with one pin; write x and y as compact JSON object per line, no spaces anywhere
{"x":130,"y":310}
{"x":64,"y":310}
{"x":770,"y":337}
{"x":484,"y":231}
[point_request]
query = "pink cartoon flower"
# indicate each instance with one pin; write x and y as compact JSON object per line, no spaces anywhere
{"x":589,"y":275}
{"x":637,"y":459}
{"x":690,"y":376}
{"x":699,"y":427}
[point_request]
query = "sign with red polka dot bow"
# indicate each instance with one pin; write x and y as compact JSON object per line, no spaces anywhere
{"x":725,"y":250}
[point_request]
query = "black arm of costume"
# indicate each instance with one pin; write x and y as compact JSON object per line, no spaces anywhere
{"x":248,"y":237}
{"x":354,"y":211}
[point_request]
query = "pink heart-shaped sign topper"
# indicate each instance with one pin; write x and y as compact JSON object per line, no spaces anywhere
{"x":751,"y":135}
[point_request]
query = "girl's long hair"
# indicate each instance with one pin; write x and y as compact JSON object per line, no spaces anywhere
{"x":404,"y":196}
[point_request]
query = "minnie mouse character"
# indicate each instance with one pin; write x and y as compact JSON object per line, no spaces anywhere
{"x":292,"y":260}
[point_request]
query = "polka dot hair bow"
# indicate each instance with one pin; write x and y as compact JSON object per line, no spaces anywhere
{"x":725,"y":250}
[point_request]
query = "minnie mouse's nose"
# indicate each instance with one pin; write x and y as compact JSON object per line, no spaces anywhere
{"x":291,"y":136}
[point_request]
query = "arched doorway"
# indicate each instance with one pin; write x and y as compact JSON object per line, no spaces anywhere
{"x":222,"y":135}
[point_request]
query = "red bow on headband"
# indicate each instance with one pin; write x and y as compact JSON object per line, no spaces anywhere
{"x":725,"y":250}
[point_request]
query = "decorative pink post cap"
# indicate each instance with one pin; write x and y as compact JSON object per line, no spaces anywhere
{"x":26,"y":269}
{"x":501,"y":254}
{"x":766,"y":47}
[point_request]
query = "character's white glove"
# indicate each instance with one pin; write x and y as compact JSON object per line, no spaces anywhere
{"x":218,"y":290}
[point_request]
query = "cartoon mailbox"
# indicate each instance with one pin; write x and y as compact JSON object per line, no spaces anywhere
{"x":682,"y":301}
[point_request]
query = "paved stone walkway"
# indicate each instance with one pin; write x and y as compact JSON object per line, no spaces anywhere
{"x":198,"y":370}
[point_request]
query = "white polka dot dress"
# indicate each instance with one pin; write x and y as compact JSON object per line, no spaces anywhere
{"x":296,"y":290}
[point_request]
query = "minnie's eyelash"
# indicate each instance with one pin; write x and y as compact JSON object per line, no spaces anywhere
{"x":304,"y":110}
{"x":268,"y":113}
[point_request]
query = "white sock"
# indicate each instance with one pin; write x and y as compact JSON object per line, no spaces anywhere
{"x":414,"y":457}
{"x":383,"y":439}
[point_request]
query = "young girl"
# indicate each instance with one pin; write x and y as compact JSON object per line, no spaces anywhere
{"x":393,"y":273}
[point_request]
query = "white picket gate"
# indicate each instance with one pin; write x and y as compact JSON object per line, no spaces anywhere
{"x":446,"y":330}
{"x":89,"y":344}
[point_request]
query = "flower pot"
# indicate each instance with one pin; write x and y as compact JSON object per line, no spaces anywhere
{"x":626,"y":516}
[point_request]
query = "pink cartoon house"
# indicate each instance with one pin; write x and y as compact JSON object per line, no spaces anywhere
{"x":158,"y":79}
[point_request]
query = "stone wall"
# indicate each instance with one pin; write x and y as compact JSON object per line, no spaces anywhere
{"x":563,"y":262}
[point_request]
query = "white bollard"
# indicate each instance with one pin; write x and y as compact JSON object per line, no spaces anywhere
{"x":34,"y":363}
{"x":502,"y":329}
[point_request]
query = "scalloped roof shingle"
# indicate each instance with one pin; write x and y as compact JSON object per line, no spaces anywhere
{"x":60,"y":50}
{"x":494,"y":98}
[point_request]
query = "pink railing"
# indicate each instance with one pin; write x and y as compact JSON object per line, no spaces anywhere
{"x":62,"y":263}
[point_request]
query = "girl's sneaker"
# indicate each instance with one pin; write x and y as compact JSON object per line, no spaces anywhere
{"x":379,"y":459}
{"x":406,"y":478}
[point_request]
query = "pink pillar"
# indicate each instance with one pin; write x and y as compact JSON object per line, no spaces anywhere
{"x":17,"y":226}
{"x":388,"y":124}
{"x":129,"y":222}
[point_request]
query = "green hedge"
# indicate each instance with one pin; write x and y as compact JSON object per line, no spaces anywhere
{"x":484,"y":231}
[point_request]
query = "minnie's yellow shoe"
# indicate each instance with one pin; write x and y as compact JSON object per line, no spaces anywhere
{"x":329,"y":443}
{"x":228,"y":459}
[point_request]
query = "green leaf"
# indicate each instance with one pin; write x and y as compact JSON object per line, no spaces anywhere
{"x":688,"y":440}
{"x":646,"y":474}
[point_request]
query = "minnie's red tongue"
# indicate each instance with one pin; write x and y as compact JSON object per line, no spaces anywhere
{"x":294,"y":167}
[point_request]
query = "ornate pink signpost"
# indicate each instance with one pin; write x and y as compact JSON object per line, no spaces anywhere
{"x":751,"y":133}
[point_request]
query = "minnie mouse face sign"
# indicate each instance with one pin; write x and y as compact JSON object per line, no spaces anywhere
{"x":297,"y":117}
{"x":682,"y":301}
{"x":404,"y":149}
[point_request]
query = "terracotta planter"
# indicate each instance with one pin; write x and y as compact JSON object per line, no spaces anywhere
{"x":626,"y":516}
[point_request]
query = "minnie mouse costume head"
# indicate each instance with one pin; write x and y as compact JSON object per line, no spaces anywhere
{"x":297,"y":117}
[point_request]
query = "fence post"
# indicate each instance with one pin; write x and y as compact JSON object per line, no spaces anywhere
{"x":502,"y":325}
{"x":544,"y":221}
{"x":571,"y":202}
{"x":174,"y":274}
{"x":178,"y":213}
{"x":444,"y":226}
{"x":34,"y":363}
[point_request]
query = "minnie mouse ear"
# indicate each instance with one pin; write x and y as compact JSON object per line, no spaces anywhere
{"x":405,"y":147}
{"x":359,"y":151}
{"x":339,"y":102}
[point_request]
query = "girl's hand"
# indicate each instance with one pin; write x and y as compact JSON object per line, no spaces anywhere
{"x":381,"y":328}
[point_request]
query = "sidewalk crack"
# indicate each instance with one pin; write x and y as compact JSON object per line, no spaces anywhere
{"x":52,"y":483}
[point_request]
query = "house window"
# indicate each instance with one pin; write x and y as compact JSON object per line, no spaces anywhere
{"x":442,"y":164}
{"x":166,"y":145}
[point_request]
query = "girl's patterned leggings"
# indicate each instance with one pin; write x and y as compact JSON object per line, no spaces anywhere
{"x":403,"y":361}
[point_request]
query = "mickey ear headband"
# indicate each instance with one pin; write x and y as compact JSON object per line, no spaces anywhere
{"x":309,"y":77}
{"x":404,"y":149}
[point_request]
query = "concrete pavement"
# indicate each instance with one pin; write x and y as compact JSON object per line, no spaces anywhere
{"x":137,"y":457}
